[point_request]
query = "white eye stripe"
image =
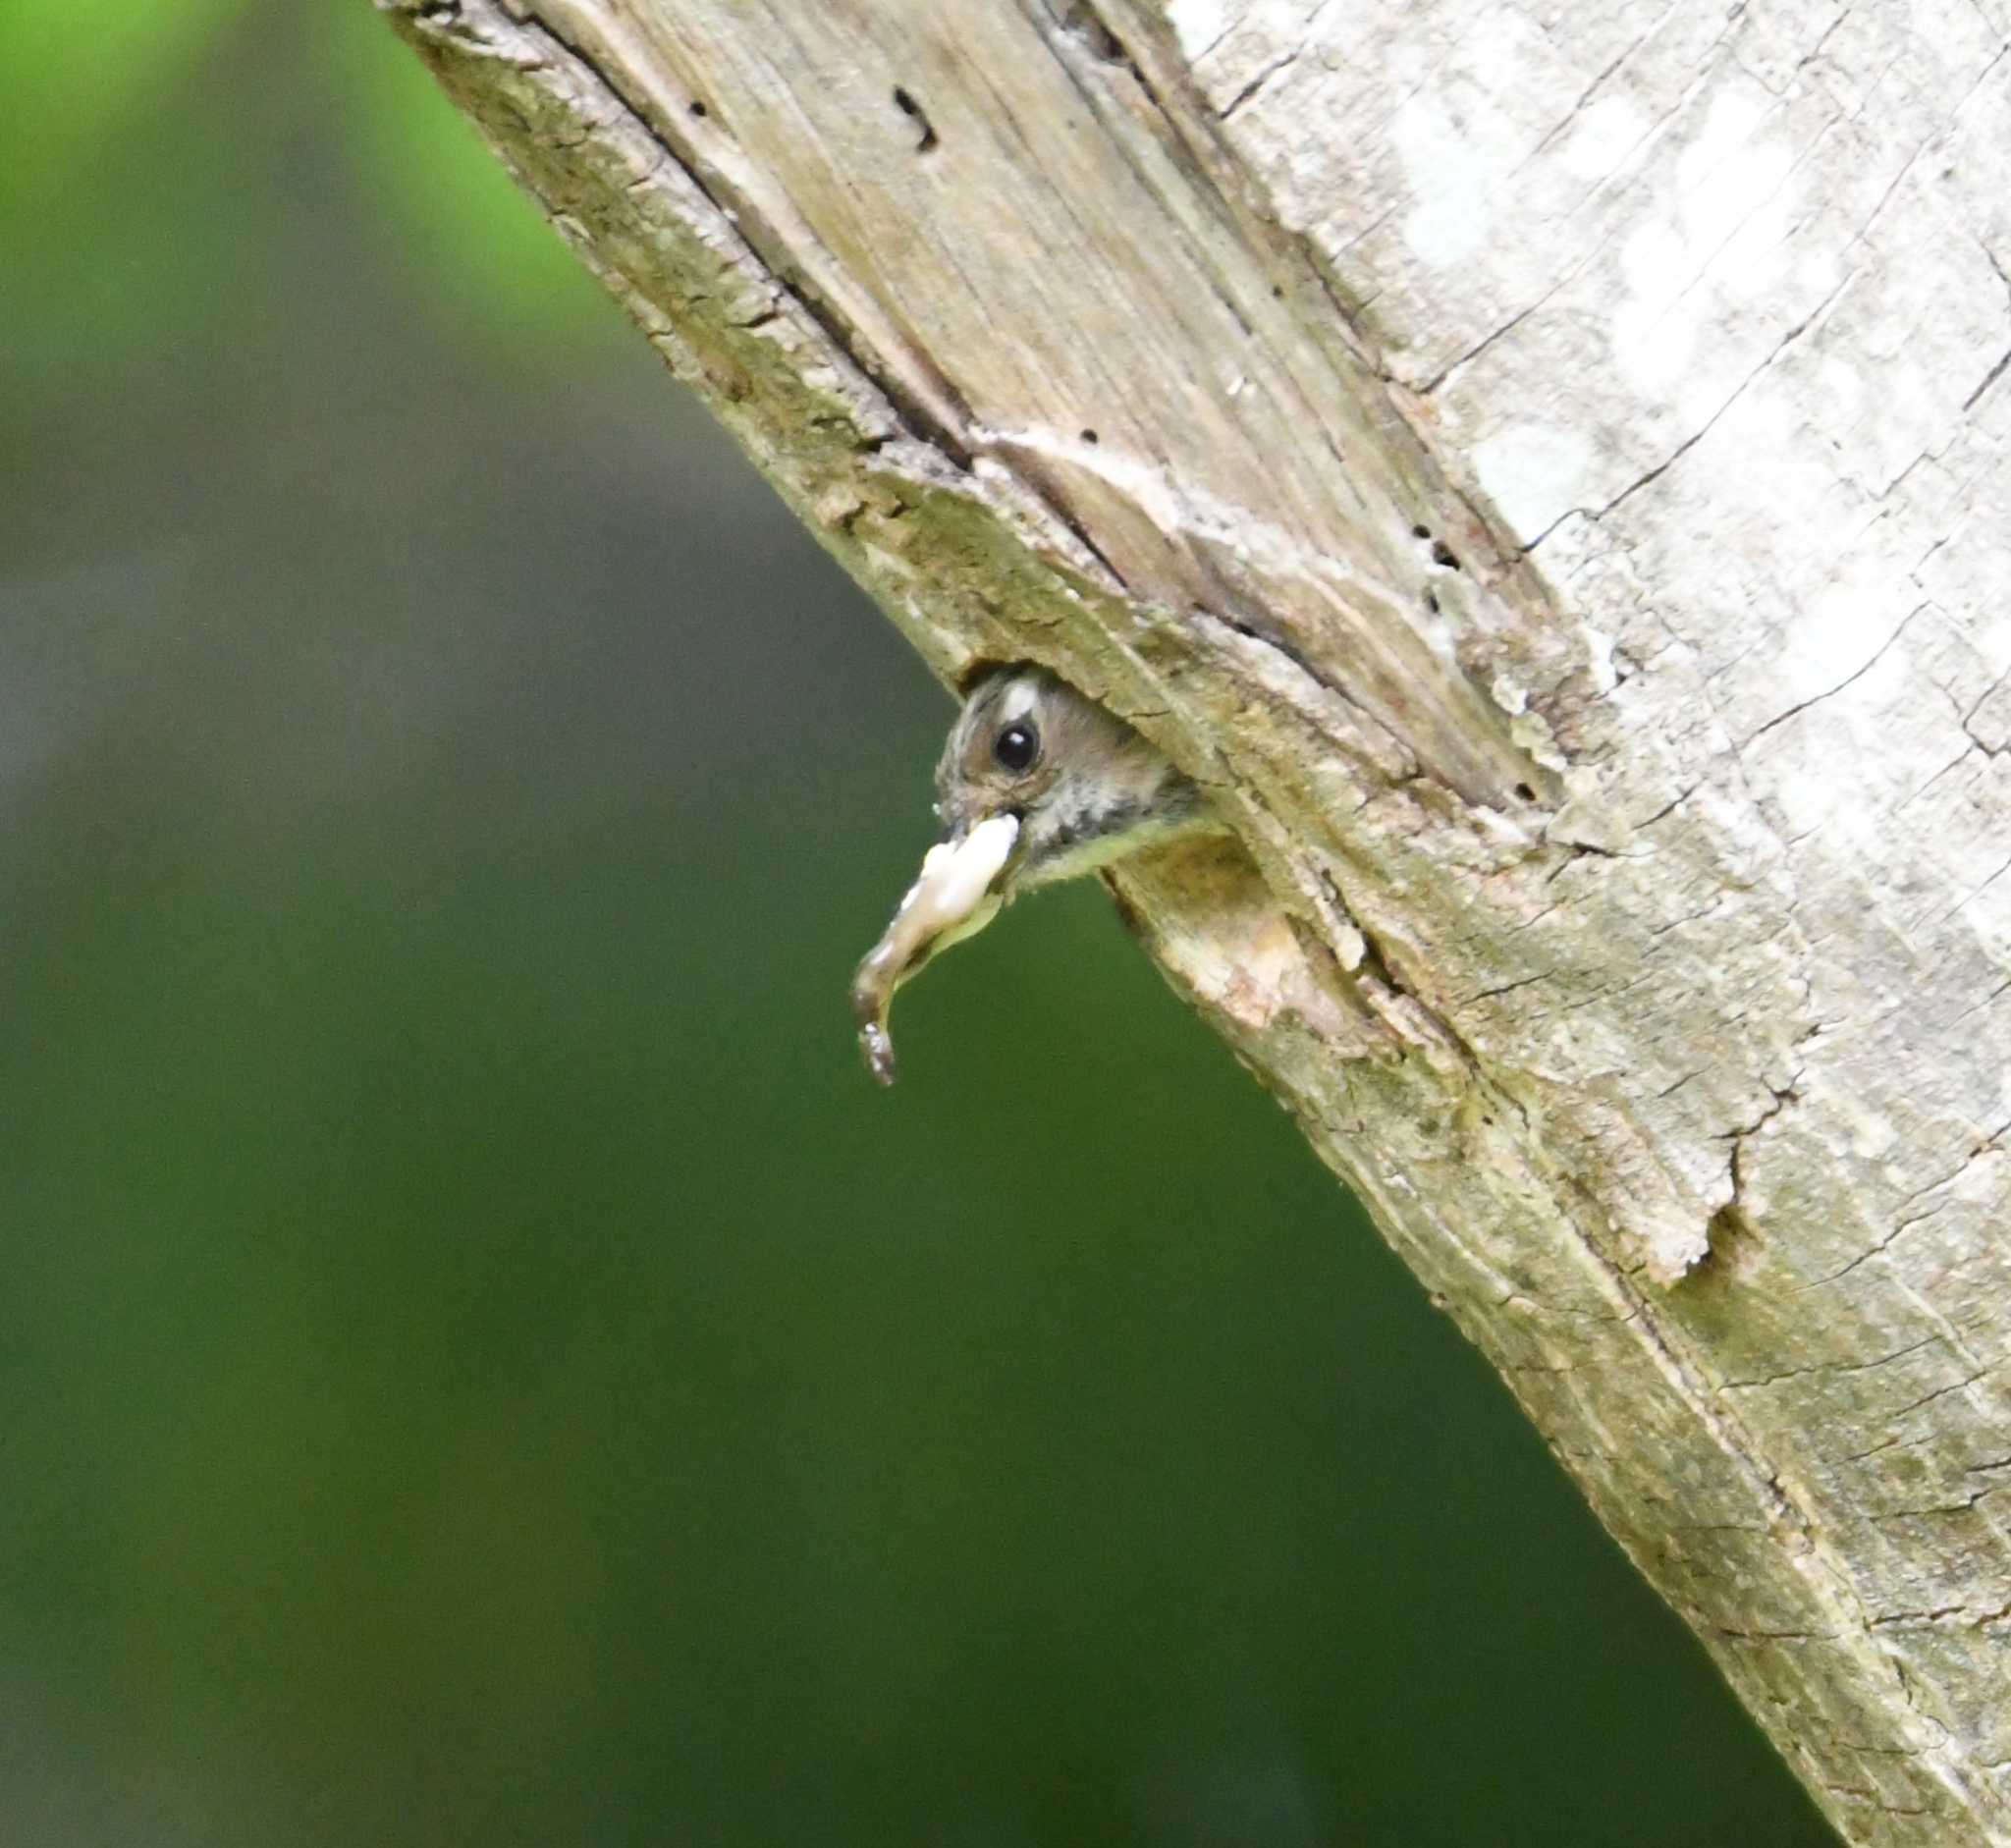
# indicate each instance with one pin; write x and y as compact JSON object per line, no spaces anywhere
{"x":1019,"y":701}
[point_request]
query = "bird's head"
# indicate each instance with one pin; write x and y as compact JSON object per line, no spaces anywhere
{"x":1037,"y":783}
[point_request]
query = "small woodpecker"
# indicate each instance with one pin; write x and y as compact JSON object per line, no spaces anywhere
{"x":1037,"y":783}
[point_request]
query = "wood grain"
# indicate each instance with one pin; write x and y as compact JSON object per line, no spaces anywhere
{"x":1545,"y":472}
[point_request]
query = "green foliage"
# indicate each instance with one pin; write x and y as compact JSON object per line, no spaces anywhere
{"x":463,"y":223}
{"x":129,"y":242}
{"x":104,"y":245}
{"x":82,"y":72}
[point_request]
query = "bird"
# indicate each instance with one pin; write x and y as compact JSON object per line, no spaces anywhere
{"x":1037,"y":783}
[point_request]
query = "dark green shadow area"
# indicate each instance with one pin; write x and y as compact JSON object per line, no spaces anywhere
{"x":478,"y":1361}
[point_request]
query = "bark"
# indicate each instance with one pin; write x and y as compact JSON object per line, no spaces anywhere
{"x":1545,"y":471}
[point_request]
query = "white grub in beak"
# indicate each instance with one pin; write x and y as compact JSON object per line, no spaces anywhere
{"x":952,"y":900}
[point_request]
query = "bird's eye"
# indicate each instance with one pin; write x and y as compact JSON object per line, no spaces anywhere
{"x":1017,"y":747}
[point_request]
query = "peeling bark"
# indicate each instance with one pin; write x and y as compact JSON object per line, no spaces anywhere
{"x":1546,"y":476}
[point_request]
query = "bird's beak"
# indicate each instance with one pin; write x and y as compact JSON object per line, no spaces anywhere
{"x":956,"y":896}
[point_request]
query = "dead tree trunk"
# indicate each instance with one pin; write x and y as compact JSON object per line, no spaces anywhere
{"x":1545,"y":471}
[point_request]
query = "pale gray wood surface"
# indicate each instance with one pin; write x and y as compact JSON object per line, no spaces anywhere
{"x":1544,"y":471}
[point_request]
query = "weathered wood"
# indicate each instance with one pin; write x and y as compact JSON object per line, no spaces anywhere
{"x":1545,"y":472}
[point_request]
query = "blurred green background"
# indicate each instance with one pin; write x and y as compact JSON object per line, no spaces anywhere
{"x":478,"y":1361}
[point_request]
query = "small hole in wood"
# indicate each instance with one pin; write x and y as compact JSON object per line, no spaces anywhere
{"x":907,"y":106}
{"x":1421,"y":532}
{"x":1432,"y":601}
{"x":1525,"y":791}
{"x":1089,"y":436}
{"x":1443,"y":554}
{"x":1277,"y":291}
{"x":699,"y":110}
{"x":1082,"y":22}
